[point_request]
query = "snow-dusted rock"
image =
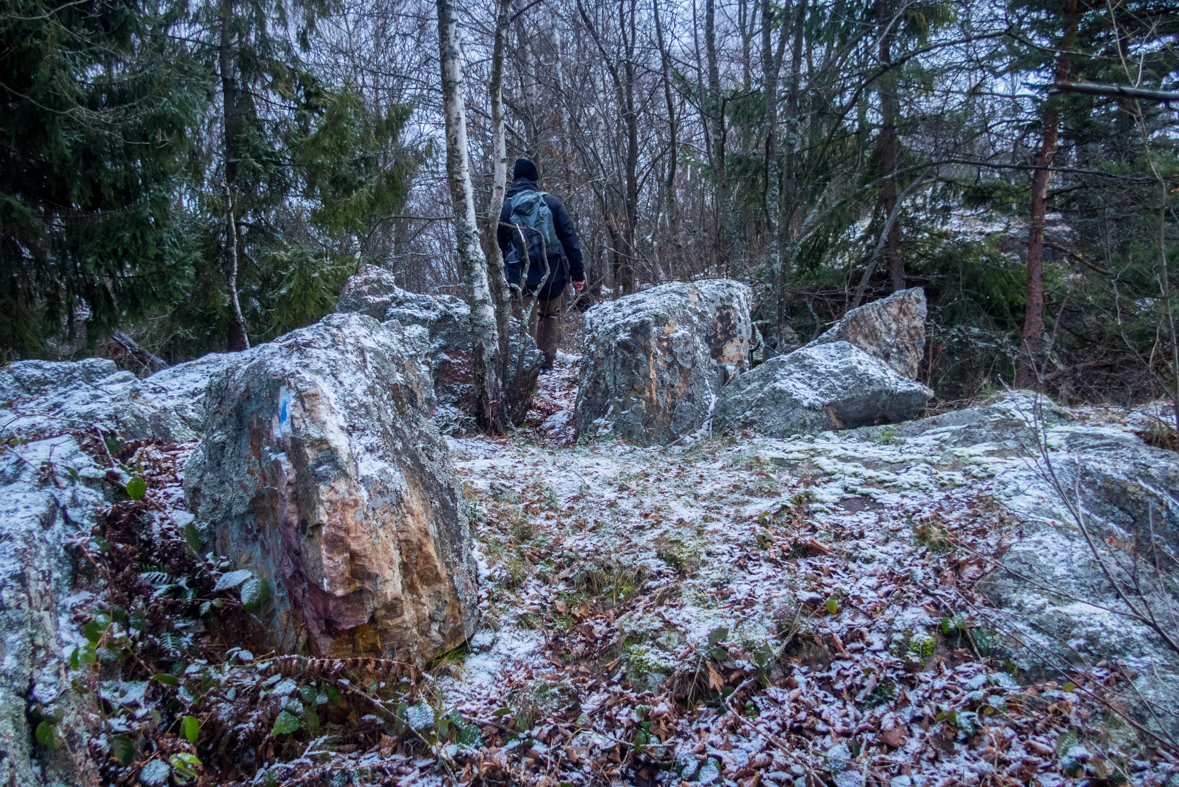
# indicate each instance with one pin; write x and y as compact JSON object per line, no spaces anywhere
{"x":50,"y":492}
{"x":39,"y":398}
{"x":372,"y":291}
{"x":655,"y":361}
{"x":1126,"y":487}
{"x":891,"y":329}
{"x":321,"y":473}
{"x":445,"y":319}
{"x":170,"y":404}
{"x":1055,"y":604}
{"x":819,"y":387}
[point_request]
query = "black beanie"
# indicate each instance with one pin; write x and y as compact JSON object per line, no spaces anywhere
{"x":525,"y":169}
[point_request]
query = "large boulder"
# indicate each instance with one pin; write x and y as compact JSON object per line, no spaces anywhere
{"x":444,"y":319}
{"x":440,"y":327}
{"x":891,"y":329}
{"x":51,"y":493}
{"x":1054,"y":602}
{"x":321,"y":474}
{"x":41,"y":398}
{"x":819,"y":387}
{"x":655,"y":361}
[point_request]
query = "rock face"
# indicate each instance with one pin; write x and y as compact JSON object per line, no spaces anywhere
{"x":50,"y":492}
{"x":655,"y":361}
{"x":372,"y":291}
{"x":441,"y":327}
{"x":1125,"y":485}
{"x":892,"y":329}
{"x":819,"y":387}
{"x":445,"y":319}
{"x":1049,"y":588}
{"x":49,"y":397}
{"x":320,"y":473}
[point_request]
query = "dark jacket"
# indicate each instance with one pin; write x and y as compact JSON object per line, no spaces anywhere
{"x":559,"y":273}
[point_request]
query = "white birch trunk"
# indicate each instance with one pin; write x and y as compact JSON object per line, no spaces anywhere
{"x":486,"y":355}
{"x":499,"y":174}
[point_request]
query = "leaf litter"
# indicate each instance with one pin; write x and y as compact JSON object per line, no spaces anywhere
{"x":736,"y":611}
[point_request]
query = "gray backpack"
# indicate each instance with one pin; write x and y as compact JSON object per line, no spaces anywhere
{"x":534,"y":220}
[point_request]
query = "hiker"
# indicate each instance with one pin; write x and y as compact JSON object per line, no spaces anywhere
{"x":531,"y":213}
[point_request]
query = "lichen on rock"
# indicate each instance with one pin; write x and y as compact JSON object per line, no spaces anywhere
{"x":41,"y":398}
{"x":50,"y":493}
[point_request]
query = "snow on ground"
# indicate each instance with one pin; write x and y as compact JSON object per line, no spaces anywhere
{"x":749,"y":610}
{"x":736,"y":610}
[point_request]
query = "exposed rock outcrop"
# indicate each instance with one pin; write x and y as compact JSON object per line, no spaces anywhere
{"x":891,"y":329}
{"x":445,"y":319}
{"x":1055,"y":602}
{"x":49,"y":397}
{"x":441,"y":327}
{"x":819,"y":387}
{"x":655,"y":361}
{"x":321,"y":473}
{"x":50,"y":493}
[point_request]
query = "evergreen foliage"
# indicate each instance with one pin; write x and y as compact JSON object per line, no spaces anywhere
{"x":95,"y":114}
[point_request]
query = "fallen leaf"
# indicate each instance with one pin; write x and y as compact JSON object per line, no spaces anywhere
{"x":715,"y":682}
{"x":892,"y":732}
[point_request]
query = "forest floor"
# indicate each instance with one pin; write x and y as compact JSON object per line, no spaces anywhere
{"x":738,"y":611}
{"x":751,"y":611}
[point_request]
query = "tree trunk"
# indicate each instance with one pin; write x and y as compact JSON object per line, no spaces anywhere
{"x":889,"y":145}
{"x":518,"y":381}
{"x":784,"y":333}
{"x":626,"y":255}
{"x":771,"y":58}
{"x":673,"y":210}
{"x":528,"y":77}
{"x":1033,"y":324}
{"x":746,"y":13}
{"x":238,"y":338}
{"x":489,"y":411}
{"x":499,"y":175}
{"x":631,"y":117}
{"x":238,"y":335}
{"x":715,"y":119}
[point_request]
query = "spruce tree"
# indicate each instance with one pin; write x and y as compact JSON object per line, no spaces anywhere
{"x":94,"y":109}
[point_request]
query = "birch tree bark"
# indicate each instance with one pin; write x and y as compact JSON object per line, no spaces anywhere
{"x":499,"y":174}
{"x":238,"y":338}
{"x":486,"y":357}
{"x":527,"y":65}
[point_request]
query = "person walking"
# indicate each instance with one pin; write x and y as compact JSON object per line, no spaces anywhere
{"x":533,"y":226}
